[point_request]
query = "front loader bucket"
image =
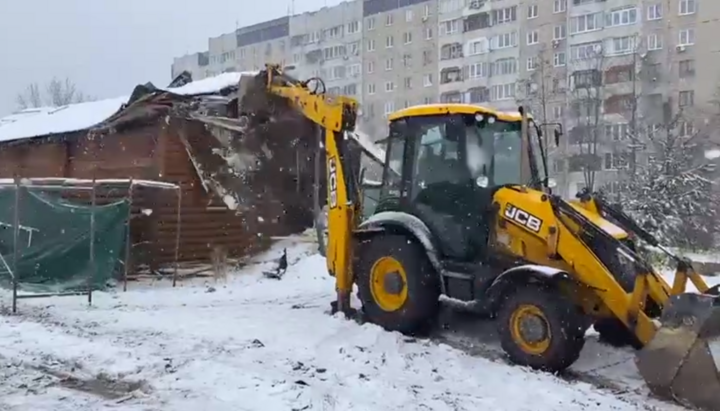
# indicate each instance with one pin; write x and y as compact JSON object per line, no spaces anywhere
{"x":681,"y":362}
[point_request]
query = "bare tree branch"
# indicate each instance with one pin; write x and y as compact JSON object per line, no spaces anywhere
{"x":57,"y":93}
{"x":30,"y":98}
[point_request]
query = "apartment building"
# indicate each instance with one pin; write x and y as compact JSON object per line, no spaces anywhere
{"x":630,"y":69}
{"x":196,"y":64}
{"x":606,"y":69}
{"x":222,"y":53}
{"x":262,"y":43}
{"x":399,"y":59}
{"x":479,"y":52}
{"x":327,"y":44}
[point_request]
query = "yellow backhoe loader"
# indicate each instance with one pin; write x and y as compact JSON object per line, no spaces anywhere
{"x":466,"y":211}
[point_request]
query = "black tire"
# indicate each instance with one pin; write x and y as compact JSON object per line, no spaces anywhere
{"x":423,"y":291}
{"x":566,"y":325}
{"x":613,"y":332}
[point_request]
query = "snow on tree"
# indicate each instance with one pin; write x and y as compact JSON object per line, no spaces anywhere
{"x":672,"y":194}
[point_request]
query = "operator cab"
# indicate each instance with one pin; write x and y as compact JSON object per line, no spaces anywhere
{"x":445,"y":162}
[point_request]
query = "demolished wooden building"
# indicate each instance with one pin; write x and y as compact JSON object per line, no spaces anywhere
{"x":170,"y":136}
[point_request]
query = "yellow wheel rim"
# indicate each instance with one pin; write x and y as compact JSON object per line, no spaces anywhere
{"x":388,"y":284}
{"x":530,"y":329}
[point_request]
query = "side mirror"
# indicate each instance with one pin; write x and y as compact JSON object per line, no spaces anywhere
{"x":482,"y":181}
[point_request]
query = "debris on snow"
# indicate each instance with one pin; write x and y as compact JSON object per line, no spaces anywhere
{"x":265,"y":345}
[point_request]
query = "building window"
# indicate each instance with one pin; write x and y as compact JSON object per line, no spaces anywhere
{"x":687,"y":7}
{"x":449,"y":27}
{"x":505,"y":40}
{"x":408,"y":83}
{"x":371,"y":45}
{"x":389,"y":107}
{"x":389,"y":19}
{"x":586,"y":23}
{"x":371,"y":89}
{"x":426,"y":11}
{"x":478,"y":47}
{"x":389,"y":86}
{"x":532,"y":11}
{"x":621,"y":45}
{"x":407,"y":37}
{"x":354,"y":70}
{"x":621,"y":17}
{"x":504,"y":67}
{"x":370,"y":23}
{"x":685,"y":129}
{"x":370,"y":67}
{"x":427,"y":57}
{"x":616,"y":132}
{"x":408,"y":16}
{"x":506,"y":15}
{"x":686,"y":37}
{"x":389,"y":63}
{"x":428,"y":33}
{"x":559,"y":32}
{"x":686,"y":98}
{"x":503,"y":91}
{"x":558,"y":112}
{"x":389,"y":42}
{"x":531,"y":64}
{"x":686,"y":68}
{"x":428,"y":80}
{"x":407,"y":60}
{"x":559,"y":6}
{"x":533,"y":37}
{"x":585,"y":51}
{"x":478,"y":70}
{"x":353,"y":27}
{"x":654,"y":42}
{"x":654,"y":11}
{"x":559,"y":59}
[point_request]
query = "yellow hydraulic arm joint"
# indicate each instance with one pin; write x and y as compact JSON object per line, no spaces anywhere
{"x":335,"y":115}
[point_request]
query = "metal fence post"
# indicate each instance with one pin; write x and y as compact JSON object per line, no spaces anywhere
{"x":93,"y":265}
{"x":16,"y":241}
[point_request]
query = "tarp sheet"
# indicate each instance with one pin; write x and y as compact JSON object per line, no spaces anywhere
{"x":54,"y":241}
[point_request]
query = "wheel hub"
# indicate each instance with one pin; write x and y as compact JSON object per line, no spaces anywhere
{"x":393,"y":283}
{"x":533,"y":328}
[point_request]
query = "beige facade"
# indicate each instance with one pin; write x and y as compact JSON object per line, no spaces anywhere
{"x":327,"y":44}
{"x":633,"y":62}
{"x":399,"y":60}
{"x":196,"y":64}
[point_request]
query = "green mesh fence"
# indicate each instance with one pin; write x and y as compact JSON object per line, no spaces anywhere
{"x":54,"y":241}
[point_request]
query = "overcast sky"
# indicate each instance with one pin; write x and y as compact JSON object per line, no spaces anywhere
{"x":108,"y":46}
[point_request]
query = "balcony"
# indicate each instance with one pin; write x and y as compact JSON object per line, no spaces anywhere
{"x":586,"y":79}
{"x":477,"y":95}
{"x":477,"y":21}
{"x":451,"y":97}
{"x":451,"y":51}
{"x":451,"y":75}
{"x":619,"y":104}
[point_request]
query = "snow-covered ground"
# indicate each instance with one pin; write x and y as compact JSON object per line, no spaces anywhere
{"x":262,"y":344}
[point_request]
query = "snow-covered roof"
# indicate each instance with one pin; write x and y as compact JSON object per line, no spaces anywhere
{"x":44,"y":121}
{"x":54,"y":120}
{"x":210,"y":84}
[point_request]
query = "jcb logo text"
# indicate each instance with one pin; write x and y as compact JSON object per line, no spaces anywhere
{"x":523,"y":218}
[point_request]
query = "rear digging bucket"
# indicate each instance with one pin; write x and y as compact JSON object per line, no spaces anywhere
{"x":681,"y":362}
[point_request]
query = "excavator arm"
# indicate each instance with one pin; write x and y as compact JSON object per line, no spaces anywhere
{"x":333,"y":116}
